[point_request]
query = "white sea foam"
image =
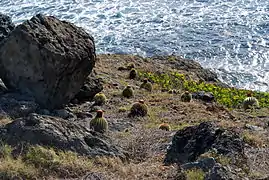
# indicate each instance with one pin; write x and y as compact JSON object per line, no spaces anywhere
{"x":229,"y":36}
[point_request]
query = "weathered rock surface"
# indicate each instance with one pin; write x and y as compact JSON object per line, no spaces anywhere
{"x":204,"y":96}
{"x":3,"y":88}
{"x":91,"y":87}
{"x":219,"y":172}
{"x":93,"y":176}
{"x":205,"y":164}
{"x":17,"y":105}
{"x":48,"y":59}
{"x":60,"y":134}
{"x":6,"y":26}
{"x":188,"y":144}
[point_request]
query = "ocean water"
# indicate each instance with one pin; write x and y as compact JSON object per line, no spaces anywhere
{"x":229,"y":36}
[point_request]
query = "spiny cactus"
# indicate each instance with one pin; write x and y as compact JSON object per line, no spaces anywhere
{"x":133,"y":74}
{"x":146,"y":85}
{"x":128,"y":92}
{"x":138,"y":109}
{"x":186,"y":97}
{"x":250,"y":102}
{"x":99,"y":123}
{"x":165,"y":126}
{"x":99,"y":99}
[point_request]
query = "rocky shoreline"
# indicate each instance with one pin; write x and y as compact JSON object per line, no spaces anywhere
{"x":50,"y":74}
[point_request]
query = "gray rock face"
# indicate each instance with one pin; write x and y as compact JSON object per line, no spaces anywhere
{"x":3,"y":87}
{"x":60,"y":134}
{"x":219,"y":172}
{"x":6,"y":26}
{"x":188,"y":144}
{"x":48,"y":59}
{"x":17,"y":105}
{"x":91,"y":87}
{"x":205,"y":164}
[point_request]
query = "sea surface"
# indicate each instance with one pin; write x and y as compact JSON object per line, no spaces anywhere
{"x":229,"y":36}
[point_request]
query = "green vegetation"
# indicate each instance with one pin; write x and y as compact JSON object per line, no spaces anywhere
{"x":138,"y":109}
{"x":230,"y":97}
{"x":99,"y":123}
{"x":128,"y":92}
{"x":195,"y":174}
{"x":186,"y":96}
{"x":146,"y":85}
{"x":250,"y":103}
{"x":100,"y":99}
{"x":40,"y":161}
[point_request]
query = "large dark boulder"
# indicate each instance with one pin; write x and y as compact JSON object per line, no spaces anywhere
{"x":188,"y":144}
{"x":48,"y":59}
{"x":58,"y":133}
{"x":6,"y":26}
{"x":3,"y":88}
{"x":17,"y":105}
{"x":91,"y":86}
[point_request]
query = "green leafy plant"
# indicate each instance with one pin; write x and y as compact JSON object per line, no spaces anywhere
{"x":230,"y":97}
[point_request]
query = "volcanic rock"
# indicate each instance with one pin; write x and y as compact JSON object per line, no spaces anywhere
{"x":60,"y":134}
{"x":48,"y":59}
{"x":6,"y":26}
{"x":188,"y":144}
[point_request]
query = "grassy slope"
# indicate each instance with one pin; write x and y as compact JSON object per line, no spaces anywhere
{"x":144,"y":140}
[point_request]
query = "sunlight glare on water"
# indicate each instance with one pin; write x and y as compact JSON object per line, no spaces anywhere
{"x":229,"y":36}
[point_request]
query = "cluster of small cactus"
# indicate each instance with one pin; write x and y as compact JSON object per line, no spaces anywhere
{"x":128,"y":92}
{"x":138,"y":109}
{"x":99,"y":99}
{"x":165,"y":126}
{"x":186,"y":97}
{"x":250,"y":102}
{"x":146,"y":85}
{"x":133,"y":73}
{"x":99,"y":123}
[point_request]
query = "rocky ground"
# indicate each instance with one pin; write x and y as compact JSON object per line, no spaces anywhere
{"x":211,"y":137}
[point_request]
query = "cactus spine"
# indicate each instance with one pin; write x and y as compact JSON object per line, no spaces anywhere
{"x":186,"y":96}
{"x":146,"y":85}
{"x":250,"y":102}
{"x":128,"y":92}
{"x":139,"y":109}
{"x":99,"y":123}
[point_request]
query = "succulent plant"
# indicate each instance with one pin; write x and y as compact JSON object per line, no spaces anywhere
{"x":186,"y":96}
{"x":138,"y":109}
{"x":99,"y":123}
{"x":250,"y":102}
{"x":99,"y":99}
{"x":165,"y":126}
{"x":133,"y":74}
{"x":146,"y":85}
{"x":128,"y":92}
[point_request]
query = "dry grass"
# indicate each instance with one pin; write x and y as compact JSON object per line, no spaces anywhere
{"x":145,"y":143}
{"x":258,"y":162}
